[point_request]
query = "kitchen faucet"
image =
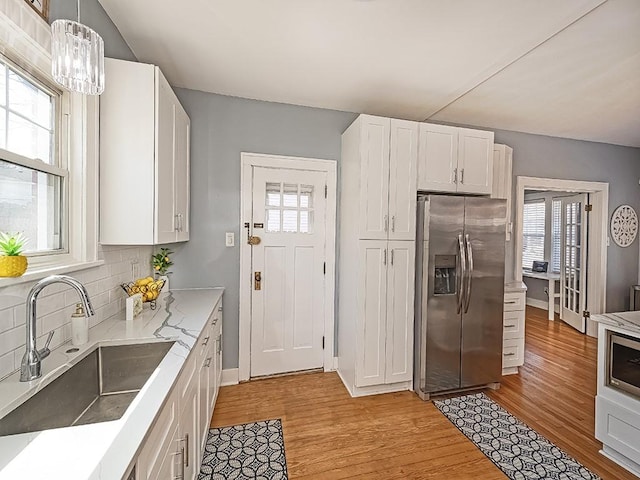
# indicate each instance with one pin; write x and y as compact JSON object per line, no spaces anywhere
{"x":31,"y":367}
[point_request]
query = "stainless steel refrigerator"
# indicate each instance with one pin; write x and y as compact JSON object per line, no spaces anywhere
{"x":459,"y":293}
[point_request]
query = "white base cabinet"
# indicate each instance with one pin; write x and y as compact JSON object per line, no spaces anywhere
{"x":176,"y":443}
{"x":144,"y":158}
{"x":513,"y":332}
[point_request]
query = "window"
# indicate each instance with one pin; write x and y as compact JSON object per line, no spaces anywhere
{"x":32,"y":180}
{"x":556,"y":234}
{"x":289,"y":208}
{"x":533,"y":229}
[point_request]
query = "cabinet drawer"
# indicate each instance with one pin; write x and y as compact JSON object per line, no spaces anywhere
{"x":513,"y":325}
{"x":618,"y":428}
{"x":513,"y":302}
{"x":512,"y":353}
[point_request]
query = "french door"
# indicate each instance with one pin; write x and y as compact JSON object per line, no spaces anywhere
{"x":573,"y":264}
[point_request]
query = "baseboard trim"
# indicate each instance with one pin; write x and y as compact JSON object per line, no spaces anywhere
{"x":541,"y":304}
{"x":229,"y":377}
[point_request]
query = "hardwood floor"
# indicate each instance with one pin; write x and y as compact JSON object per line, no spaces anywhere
{"x":329,"y":435}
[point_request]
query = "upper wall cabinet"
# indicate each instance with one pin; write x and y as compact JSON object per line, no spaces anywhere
{"x":502,"y":179}
{"x":144,"y":158}
{"x":456,"y":160}
{"x":388,"y":164}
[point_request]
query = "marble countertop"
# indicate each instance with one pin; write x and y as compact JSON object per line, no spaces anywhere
{"x":629,"y":321}
{"x":515,"y":287}
{"x":104,"y":451}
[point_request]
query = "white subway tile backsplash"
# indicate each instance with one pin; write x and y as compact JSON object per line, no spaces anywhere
{"x":57,"y":302}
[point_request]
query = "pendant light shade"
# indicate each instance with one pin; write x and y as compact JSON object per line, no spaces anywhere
{"x":77,"y":57}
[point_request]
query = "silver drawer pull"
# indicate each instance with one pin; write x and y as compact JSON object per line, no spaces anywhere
{"x":207,"y":362}
{"x":205,"y":341}
{"x":510,"y":326}
{"x":509,"y":354}
{"x":511,"y":302}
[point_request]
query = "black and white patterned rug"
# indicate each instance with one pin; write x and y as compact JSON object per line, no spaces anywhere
{"x":520,"y":452}
{"x":248,"y":451}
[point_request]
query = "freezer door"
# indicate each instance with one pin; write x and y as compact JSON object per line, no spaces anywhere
{"x":442,"y":270}
{"x":484,"y":231}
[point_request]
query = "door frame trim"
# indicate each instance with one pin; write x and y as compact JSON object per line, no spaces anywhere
{"x":598,"y":235}
{"x":330,"y":167}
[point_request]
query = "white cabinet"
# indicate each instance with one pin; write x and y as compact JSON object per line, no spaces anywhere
{"x":144,"y":158}
{"x":388,"y":151}
{"x":455,"y":160}
{"x":384,"y":354}
{"x":513,"y":326}
{"x":174,"y":447}
{"x":377,"y":250}
{"x":503,"y":180}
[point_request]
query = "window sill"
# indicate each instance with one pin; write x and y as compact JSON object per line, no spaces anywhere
{"x":38,"y":273}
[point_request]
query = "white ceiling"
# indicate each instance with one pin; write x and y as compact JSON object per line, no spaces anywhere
{"x":567,"y":69}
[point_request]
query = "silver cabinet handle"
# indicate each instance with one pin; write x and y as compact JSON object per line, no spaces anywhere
{"x":220,"y":308}
{"x":511,"y":302}
{"x":219,"y":344}
{"x":462,"y":261}
{"x":207,"y":362}
{"x":509,"y":354}
{"x":393,"y":223}
{"x":176,"y":223}
{"x":455,"y":175}
{"x":386,"y":223}
{"x":205,"y":341}
{"x":392,"y":250}
{"x":467,"y":300}
{"x":186,"y":448}
{"x":384,"y":260}
{"x":510,"y":326}
{"x":462,"y":176}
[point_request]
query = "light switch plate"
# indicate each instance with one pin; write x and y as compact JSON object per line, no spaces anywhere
{"x":229,"y":239}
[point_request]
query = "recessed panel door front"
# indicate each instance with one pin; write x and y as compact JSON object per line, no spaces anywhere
{"x":287,"y":323}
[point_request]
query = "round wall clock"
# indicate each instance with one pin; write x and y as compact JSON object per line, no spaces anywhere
{"x":624,"y":225}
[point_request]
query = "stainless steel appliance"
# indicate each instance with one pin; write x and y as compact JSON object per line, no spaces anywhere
{"x":623,"y":369}
{"x":459,"y":293}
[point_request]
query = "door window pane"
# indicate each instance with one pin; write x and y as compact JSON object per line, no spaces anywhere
{"x":289,"y":208}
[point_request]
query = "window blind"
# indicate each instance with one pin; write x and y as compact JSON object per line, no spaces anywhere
{"x":556,"y":234}
{"x":533,"y":233}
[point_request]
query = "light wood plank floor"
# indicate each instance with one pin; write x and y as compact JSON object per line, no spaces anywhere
{"x":329,"y":435}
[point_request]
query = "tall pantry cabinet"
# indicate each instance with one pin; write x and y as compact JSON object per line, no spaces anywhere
{"x":378,"y":185}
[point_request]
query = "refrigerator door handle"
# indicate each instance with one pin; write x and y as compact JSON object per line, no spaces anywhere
{"x":467,"y":241}
{"x":463,"y":269}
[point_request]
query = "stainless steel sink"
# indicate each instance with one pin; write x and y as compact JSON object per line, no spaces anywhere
{"x":99,"y":388}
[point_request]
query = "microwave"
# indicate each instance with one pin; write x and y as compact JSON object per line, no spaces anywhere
{"x":623,"y":358}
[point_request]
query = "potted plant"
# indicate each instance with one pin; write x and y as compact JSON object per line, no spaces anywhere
{"x":161,"y":263}
{"x":12,"y":262}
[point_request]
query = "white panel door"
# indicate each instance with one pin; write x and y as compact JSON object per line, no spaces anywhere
{"x":475,"y":161}
{"x":372,"y":300}
{"x":374,"y":177}
{"x":437,"y":158}
{"x":165,"y":141}
{"x":573,"y":263}
{"x":403,"y":160}
{"x":400,"y":311}
{"x":287,"y":318}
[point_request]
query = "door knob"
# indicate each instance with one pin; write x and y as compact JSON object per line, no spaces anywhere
{"x":257,"y":279}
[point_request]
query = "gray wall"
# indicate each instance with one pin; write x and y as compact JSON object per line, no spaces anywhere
{"x":93,"y":15}
{"x":541,"y":156}
{"x":221,"y":128}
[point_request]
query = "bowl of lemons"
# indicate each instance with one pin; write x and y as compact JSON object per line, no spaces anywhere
{"x":147,"y":287}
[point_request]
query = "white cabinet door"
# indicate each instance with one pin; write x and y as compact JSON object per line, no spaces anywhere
{"x":181,"y":169}
{"x":437,"y":158}
{"x":502,"y":180}
{"x":165,"y":185}
{"x":189,"y":433}
{"x":403,"y":159}
{"x":400,"y":310}
{"x":203,"y":400}
{"x":475,"y":161}
{"x":374,"y":177}
{"x":157,"y":460}
{"x":371,"y":320}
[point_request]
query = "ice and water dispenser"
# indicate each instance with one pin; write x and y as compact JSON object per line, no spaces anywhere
{"x":445,"y":275}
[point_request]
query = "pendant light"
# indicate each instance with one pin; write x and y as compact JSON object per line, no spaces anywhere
{"x":77,"y":56}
